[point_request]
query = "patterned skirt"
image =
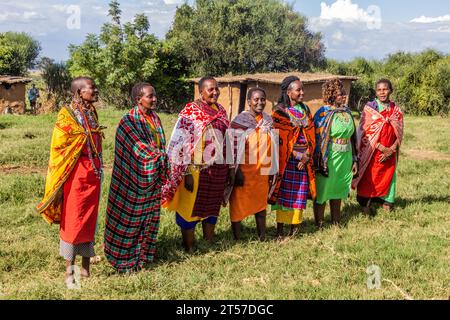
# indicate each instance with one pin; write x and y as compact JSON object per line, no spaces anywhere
{"x":294,"y":188}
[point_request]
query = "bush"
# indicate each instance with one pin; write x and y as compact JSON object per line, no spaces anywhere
{"x":421,"y":81}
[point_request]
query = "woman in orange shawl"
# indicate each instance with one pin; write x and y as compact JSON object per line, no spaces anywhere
{"x":296,"y":181}
{"x":251,"y":134}
{"x":72,"y":189}
{"x":380,"y":135}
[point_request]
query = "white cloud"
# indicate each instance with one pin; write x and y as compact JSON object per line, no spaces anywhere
{"x":338,"y":36}
{"x":9,"y":16}
{"x":169,"y":2}
{"x":46,"y":20}
{"x":443,"y":29}
{"x":345,"y":10}
{"x":32,"y":15}
{"x":423,"y":19}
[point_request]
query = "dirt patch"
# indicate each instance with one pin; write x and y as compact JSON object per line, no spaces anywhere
{"x":423,"y":155}
{"x":28,"y":170}
{"x":21,"y":170}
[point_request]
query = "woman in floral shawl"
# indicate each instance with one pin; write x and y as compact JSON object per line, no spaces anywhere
{"x":195,"y":190}
{"x":380,"y":135}
{"x":251,"y":135}
{"x":295,"y":182}
{"x":72,"y":189}
{"x":140,"y":170}
{"x":335,"y":154}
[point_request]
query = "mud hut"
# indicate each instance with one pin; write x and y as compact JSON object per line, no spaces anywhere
{"x":233,"y":90}
{"x":12,"y":94}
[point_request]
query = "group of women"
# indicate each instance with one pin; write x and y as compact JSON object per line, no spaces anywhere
{"x":315,"y":156}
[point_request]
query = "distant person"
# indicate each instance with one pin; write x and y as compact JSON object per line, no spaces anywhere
{"x":33,"y":95}
{"x":252,"y":139}
{"x":195,"y":190}
{"x":139,"y":172}
{"x":380,"y":135}
{"x":335,"y":155}
{"x":72,"y":190}
{"x":296,"y":180}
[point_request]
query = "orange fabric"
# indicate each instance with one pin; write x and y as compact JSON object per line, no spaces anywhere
{"x":243,"y":202}
{"x":288,"y":134}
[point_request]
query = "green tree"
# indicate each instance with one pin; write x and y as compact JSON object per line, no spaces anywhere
{"x":18,"y":53}
{"x":57,"y":79}
{"x":123,"y":54}
{"x":239,"y":36}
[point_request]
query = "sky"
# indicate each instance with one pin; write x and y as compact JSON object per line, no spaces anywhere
{"x":350,"y":28}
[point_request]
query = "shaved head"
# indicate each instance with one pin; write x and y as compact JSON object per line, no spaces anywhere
{"x":79,"y":83}
{"x":84,"y":88}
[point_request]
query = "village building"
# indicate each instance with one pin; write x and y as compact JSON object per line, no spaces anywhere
{"x":233,"y":90}
{"x":12,"y":94}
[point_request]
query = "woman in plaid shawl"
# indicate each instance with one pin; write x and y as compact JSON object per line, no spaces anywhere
{"x":140,"y":170}
{"x":296,"y":179}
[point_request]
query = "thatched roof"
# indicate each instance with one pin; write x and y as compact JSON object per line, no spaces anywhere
{"x":277,"y":78}
{"x":13,"y":79}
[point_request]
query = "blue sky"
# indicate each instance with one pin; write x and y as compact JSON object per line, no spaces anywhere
{"x":350,"y":28}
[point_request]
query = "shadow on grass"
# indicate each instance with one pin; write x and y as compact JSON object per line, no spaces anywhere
{"x":170,"y":249}
{"x":429,"y":199}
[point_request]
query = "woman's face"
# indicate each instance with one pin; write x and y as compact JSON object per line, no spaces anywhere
{"x":148,"y":99}
{"x":383,"y":92}
{"x":210,"y":91}
{"x":257,"y":102}
{"x":89,"y":92}
{"x":296,"y":93}
{"x":341,"y":98}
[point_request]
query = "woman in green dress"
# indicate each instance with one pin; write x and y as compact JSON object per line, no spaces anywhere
{"x":335,"y":154}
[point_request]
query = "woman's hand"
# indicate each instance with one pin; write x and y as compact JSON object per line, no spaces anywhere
{"x":189,"y":182}
{"x":355,"y":169}
{"x":387,"y":153}
{"x":303,"y":162}
{"x":239,"y":178}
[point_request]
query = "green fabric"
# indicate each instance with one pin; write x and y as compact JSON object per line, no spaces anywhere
{"x":381,"y":106}
{"x":337,"y":185}
{"x":390,"y":197}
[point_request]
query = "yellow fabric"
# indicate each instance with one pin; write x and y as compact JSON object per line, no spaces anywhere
{"x":67,"y":142}
{"x":290,"y":216}
{"x":154,"y":131}
{"x":183,"y":201}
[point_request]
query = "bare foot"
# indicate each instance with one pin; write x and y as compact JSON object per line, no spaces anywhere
{"x":95,"y":260}
{"x":366,"y":211}
{"x":84,"y":274}
{"x":387,"y":207}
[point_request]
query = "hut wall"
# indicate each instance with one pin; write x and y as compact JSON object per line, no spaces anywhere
{"x":229,"y":95}
{"x":12,"y":97}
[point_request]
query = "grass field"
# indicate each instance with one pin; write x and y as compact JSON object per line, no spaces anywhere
{"x":411,"y":245}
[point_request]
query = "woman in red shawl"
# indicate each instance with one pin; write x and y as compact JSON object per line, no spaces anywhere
{"x":380,"y":135}
{"x":198,"y":173}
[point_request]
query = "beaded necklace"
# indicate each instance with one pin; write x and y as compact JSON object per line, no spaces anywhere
{"x":92,"y":149}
